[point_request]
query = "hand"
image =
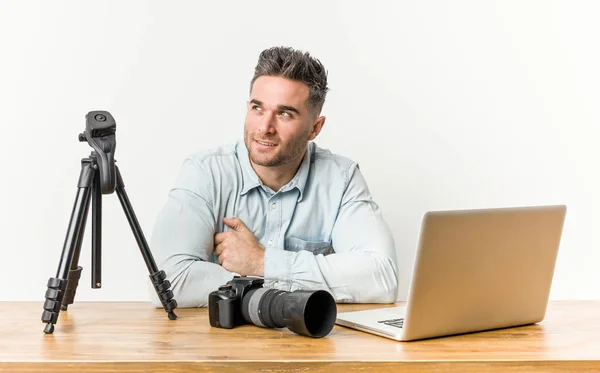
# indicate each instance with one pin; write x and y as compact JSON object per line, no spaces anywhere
{"x":239,"y":251}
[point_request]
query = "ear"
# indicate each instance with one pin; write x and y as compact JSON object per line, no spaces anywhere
{"x":317,"y":127}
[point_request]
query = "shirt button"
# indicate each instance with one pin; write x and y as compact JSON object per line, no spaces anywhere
{"x":273,"y":206}
{"x":270,"y":243}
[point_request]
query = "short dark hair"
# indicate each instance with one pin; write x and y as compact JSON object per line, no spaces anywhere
{"x":296,"y":65}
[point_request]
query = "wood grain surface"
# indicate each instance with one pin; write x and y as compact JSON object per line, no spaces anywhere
{"x":135,"y":337}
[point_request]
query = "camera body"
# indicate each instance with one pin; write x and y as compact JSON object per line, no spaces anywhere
{"x":225,"y":304}
{"x":244,"y":300}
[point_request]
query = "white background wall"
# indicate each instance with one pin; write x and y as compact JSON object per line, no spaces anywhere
{"x":445,"y":105}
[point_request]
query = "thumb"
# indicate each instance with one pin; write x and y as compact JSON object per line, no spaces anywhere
{"x":235,"y":223}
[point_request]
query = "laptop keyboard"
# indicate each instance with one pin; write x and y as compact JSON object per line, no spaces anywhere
{"x":398,"y":323}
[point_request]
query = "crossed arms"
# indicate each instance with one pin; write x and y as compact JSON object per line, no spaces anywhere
{"x":360,"y":270}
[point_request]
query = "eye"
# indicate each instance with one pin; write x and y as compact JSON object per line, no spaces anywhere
{"x":255,"y":108}
{"x":285,"y":114}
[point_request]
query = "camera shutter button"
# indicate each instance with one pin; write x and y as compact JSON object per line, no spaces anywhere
{"x":276,"y":284}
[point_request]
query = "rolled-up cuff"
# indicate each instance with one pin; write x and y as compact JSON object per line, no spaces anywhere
{"x":278,"y":269}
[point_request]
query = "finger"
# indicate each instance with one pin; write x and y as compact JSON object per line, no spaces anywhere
{"x":219,"y":249}
{"x":221,"y":257}
{"x":235,"y":223}
{"x":220,"y":237}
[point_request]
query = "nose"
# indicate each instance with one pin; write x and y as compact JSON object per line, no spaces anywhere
{"x":267,"y":123}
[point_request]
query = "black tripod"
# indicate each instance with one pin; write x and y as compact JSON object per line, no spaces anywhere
{"x":99,"y":175}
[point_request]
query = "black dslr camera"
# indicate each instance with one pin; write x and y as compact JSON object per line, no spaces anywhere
{"x":244,"y":300}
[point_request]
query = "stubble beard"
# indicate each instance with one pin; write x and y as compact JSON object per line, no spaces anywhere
{"x":286,"y":152}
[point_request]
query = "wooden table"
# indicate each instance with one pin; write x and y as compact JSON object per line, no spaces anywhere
{"x":135,"y":337}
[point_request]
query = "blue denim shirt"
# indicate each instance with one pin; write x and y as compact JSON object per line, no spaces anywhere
{"x":322,"y":230}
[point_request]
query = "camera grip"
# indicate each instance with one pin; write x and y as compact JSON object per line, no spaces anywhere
{"x":222,"y":309}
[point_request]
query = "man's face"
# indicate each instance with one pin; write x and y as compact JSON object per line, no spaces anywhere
{"x":278,"y":124}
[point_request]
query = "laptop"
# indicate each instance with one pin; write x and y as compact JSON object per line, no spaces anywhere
{"x":475,"y":270}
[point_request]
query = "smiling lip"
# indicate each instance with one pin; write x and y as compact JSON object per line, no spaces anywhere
{"x":265,"y":143}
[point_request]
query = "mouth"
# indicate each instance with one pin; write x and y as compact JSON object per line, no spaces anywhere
{"x":265,"y":143}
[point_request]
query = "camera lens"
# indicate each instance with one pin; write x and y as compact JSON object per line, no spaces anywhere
{"x":310,"y":313}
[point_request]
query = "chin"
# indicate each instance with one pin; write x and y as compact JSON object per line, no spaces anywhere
{"x":262,"y":161}
{"x":265,"y":161}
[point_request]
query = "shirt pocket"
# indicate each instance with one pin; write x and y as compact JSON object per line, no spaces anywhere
{"x":315,"y":247}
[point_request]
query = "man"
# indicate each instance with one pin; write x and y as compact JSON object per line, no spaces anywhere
{"x":276,"y":205}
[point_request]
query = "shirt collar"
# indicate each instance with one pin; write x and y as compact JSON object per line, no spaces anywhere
{"x":299,"y":180}
{"x":251,"y":179}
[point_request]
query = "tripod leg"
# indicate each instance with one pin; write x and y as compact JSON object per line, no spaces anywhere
{"x":96,"y":234}
{"x":75,"y":272}
{"x":57,"y":286}
{"x":158,"y":277}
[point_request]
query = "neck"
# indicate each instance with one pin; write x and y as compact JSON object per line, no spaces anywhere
{"x":277,"y":176}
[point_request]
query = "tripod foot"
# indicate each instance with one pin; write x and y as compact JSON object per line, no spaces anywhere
{"x":162,"y":285}
{"x":52,"y":305}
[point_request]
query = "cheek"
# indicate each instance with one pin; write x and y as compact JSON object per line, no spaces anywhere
{"x":289,"y":137}
{"x":299,"y":131}
{"x":249,"y":124}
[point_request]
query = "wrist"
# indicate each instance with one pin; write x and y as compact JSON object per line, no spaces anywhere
{"x":260,"y":264}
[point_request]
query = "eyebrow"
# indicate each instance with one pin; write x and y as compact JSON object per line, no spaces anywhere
{"x":279,"y":107}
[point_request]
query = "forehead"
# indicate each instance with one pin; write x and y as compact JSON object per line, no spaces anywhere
{"x":275,"y":90}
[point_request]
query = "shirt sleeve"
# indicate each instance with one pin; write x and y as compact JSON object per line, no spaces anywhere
{"x":183,"y":239}
{"x":362,"y":268}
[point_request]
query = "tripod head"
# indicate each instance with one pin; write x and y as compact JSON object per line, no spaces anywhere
{"x":100,"y":129}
